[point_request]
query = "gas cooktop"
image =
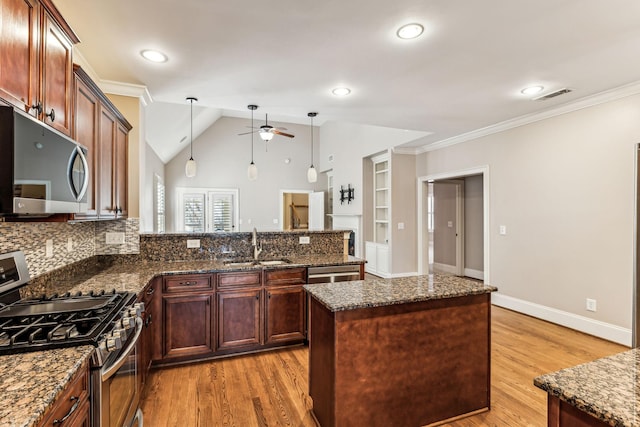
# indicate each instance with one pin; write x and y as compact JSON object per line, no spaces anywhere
{"x":59,"y":321}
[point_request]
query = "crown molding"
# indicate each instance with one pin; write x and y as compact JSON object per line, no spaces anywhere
{"x":127,"y":89}
{"x":586,"y":102}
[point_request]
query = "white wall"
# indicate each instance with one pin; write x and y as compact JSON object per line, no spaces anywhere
{"x":152,"y":166}
{"x":348,"y":143}
{"x":223,"y":157}
{"x":564,"y":188}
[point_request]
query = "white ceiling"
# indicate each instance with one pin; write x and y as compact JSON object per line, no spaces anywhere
{"x":465,"y":73}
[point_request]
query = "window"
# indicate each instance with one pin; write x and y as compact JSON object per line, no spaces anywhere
{"x":159,"y":205}
{"x":207,"y":210}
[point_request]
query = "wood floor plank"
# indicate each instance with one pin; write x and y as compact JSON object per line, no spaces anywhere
{"x":271,"y":389}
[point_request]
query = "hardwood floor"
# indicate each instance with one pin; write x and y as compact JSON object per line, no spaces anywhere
{"x":270,"y":389}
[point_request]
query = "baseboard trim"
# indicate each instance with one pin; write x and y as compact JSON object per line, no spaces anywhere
{"x":444,"y":268}
{"x":475,"y":274}
{"x":593,"y":327}
{"x":415,"y":273}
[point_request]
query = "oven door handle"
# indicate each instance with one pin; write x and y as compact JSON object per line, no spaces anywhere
{"x":108,"y":371}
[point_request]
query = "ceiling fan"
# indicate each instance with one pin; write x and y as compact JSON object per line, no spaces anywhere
{"x":266,"y":131}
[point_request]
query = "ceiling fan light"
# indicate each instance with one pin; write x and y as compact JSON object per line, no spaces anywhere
{"x":190,"y":168}
{"x":265,"y":135}
{"x":252,"y":172}
{"x":312,"y":174}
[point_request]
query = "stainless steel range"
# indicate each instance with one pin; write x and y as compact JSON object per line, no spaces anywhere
{"x":110,"y":321}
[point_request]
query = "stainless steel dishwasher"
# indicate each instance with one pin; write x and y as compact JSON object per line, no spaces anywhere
{"x":333,"y":273}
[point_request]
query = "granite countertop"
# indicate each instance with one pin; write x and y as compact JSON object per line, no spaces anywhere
{"x":607,"y":388}
{"x":378,"y":292}
{"x":30,"y":382}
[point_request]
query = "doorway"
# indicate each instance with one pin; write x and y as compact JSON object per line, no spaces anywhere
{"x":301,"y":210}
{"x":453,"y":223}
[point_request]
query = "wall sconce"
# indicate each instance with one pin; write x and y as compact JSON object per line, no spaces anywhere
{"x":346,"y":194}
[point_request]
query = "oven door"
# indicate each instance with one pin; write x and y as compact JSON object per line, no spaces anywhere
{"x":116,"y":387}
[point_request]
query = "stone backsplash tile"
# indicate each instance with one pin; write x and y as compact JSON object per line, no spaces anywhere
{"x":86,"y":240}
{"x":216,"y":246}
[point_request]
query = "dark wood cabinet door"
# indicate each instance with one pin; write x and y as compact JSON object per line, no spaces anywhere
{"x":56,"y":76}
{"x":239,"y":318}
{"x":121,"y":170}
{"x":187,"y":325}
{"x":285,"y":314}
{"x":106,"y":144}
{"x":19,"y":35}
{"x":85,"y":131}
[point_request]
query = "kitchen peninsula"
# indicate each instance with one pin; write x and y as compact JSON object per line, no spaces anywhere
{"x":603,"y":392}
{"x":399,"y":352}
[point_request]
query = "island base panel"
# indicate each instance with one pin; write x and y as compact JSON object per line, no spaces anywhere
{"x":400,"y":365}
{"x":562,"y":414}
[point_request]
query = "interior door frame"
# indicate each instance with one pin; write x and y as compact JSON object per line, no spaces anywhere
{"x":281,"y":198}
{"x":422,"y":214}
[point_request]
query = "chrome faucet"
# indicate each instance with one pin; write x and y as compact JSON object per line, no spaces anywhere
{"x":254,"y":243}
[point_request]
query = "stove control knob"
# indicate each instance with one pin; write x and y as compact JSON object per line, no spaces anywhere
{"x":127,"y":322}
{"x":113,"y":343}
{"x":136,"y":310}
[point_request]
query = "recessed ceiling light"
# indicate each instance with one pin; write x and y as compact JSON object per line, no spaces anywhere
{"x":154,"y":55}
{"x":341,"y":91}
{"x":410,"y":31}
{"x":532,"y":90}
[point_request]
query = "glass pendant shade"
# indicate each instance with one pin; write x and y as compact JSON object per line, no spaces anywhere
{"x":312,"y":174}
{"x":252,"y":172}
{"x":266,"y":135}
{"x":190,"y":168}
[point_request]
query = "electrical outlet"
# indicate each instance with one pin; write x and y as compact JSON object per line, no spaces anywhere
{"x":193,"y":243}
{"x":401,"y":226}
{"x":304,"y":240}
{"x":450,"y":224}
{"x":48,"y":248}
{"x":591,"y":304}
{"x":114,"y":238}
{"x":69,"y":244}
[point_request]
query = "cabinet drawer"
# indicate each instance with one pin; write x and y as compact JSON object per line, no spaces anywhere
{"x":71,"y":401}
{"x":188,"y":283}
{"x":234,"y":280}
{"x":285,"y":276}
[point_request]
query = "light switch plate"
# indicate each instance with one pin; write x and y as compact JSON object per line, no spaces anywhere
{"x":114,"y":238}
{"x":450,"y":224}
{"x":401,"y":226}
{"x":193,"y":243}
{"x":304,"y":240}
{"x":48,"y":248}
{"x":503,"y":230}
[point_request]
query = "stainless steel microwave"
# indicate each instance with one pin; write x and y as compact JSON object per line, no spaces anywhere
{"x":42,"y":171}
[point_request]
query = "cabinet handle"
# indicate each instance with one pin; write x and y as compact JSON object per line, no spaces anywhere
{"x":151,"y":291}
{"x":148,"y":320}
{"x":52,"y":115}
{"x":258,"y":296}
{"x":188,"y":283}
{"x":37,"y":107}
{"x":269,"y":295}
{"x":71,"y":411}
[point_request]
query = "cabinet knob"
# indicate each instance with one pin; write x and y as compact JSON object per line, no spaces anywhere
{"x":37,"y":107}
{"x":52,"y":115}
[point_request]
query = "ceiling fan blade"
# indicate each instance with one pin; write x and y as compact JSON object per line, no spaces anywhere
{"x":277,"y":132}
{"x":247,"y":133}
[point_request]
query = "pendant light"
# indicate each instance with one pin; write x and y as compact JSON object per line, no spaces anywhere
{"x":312,"y":174}
{"x":252,"y":171}
{"x":190,"y":167}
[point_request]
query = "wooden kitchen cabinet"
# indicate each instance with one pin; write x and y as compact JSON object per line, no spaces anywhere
{"x":285,"y":310}
{"x":239,"y":318}
{"x":36,"y":61}
{"x":71,"y":408}
{"x":149,"y":331}
{"x":187,"y":325}
{"x":99,"y":126}
{"x":285,"y":314}
{"x":187,"y":316}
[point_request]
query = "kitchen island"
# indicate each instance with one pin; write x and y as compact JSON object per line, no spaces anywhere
{"x":604,"y":392}
{"x":399,"y":352}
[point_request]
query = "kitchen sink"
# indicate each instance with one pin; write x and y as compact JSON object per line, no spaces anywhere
{"x":249,"y":263}
{"x":239,"y":263}
{"x":274,"y":262}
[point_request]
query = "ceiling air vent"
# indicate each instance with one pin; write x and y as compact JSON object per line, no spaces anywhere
{"x":552,"y":94}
